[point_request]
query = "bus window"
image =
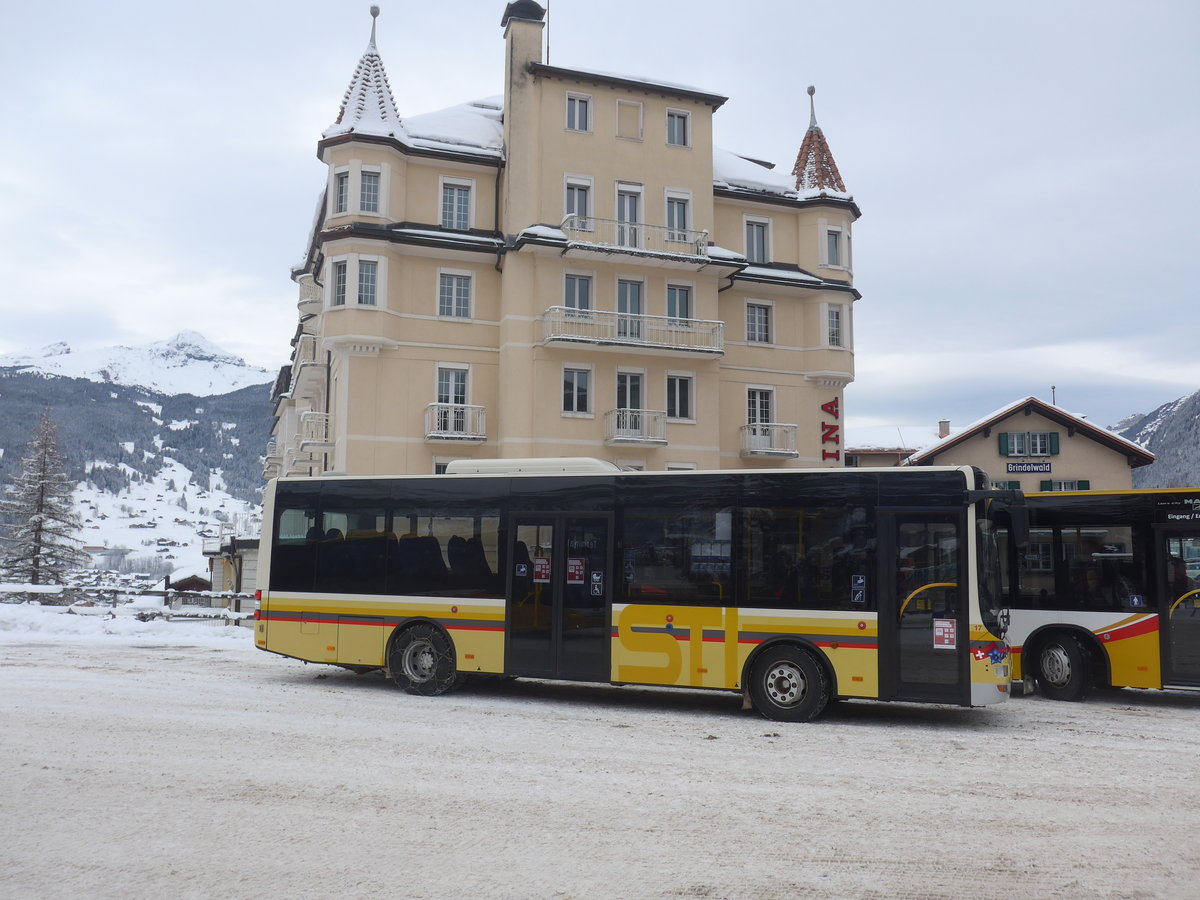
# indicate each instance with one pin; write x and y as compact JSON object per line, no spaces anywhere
{"x":352,"y":550}
{"x":293,"y":558}
{"x":444,"y":553}
{"x":1100,"y":567}
{"x":672,"y":557}
{"x":794,"y":558}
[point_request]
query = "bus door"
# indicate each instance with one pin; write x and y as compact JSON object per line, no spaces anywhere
{"x":924,"y":629}
{"x":1179,"y":575}
{"x":559,"y":585}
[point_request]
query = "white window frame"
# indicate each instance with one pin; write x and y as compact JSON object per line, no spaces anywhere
{"x":588,"y":183}
{"x":770,"y":310}
{"x":351,"y":261}
{"x":440,"y":367}
{"x":846,"y":311}
{"x":690,"y":377}
{"x":571,"y":122}
{"x":639,"y":190}
{"x":336,"y":177}
{"x":690,"y":286}
{"x":687,"y":127}
{"x":642,"y":386}
{"x":765,"y":222}
{"x":677,"y":195}
{"x":1018,"y":443}
{"x":450,"y":181}
{"x":453,"y":315}
{"x":590,"y":413}
{"x":590,"y":278}
{"x":630,"y":325}
{"x":1039,"y":443}
{"x":363,"y":263}
{"x":681,"y":467}
{"x":377,"y":171}
{"x":771,"y":392}
{"x":641,"y":120}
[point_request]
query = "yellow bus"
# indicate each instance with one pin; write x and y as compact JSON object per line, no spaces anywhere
{"x":1106,"y":593}
{"x":792,"y":587}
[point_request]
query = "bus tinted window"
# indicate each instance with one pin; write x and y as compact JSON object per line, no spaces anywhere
{"x":351,"y":549}
{"x":445,"y":553}
{"x":806,"y":558}
{"x":676,"y":557}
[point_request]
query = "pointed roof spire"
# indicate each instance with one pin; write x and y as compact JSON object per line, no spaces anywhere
{"x":368,"y":106}
{"x":815,"y":169}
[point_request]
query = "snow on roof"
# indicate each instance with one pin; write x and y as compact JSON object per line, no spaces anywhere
{"x":670,"y":86}
{"x":778,"y":274}
{"x":1003,"y":412}
{"x":476,"y":125}
{"x":734,"y":171}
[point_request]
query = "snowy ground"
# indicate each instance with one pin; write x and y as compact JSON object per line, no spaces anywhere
{"x":173,"y":759}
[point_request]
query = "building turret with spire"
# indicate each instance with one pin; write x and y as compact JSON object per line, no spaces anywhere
{"x":570,"y":269}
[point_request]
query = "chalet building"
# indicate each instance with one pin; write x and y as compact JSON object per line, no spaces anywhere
{"x":570,"y":269}
{"x":1030,"y":445}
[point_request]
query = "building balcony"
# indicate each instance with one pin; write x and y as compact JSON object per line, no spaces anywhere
{"x":769,"y":439}
{"x":273,"y":461}
{"x":613,"y":236}
{"x":299,"y":462}
{"x":692,"y":337}
{"x":308,"y":370}
{"x":310,"y":301}
{"x":315,"y":431}
{"x":455,"y":422}
{"x":635,"y":426}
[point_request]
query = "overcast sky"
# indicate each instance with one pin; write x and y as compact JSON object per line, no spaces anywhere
{"x":1027,"y":171}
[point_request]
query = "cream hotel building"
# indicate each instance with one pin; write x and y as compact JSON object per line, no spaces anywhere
{"x":570,"y":269}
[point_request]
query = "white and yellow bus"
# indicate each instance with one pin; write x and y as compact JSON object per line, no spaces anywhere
{"x":793,"y":587}
{"x":1107,"y":592}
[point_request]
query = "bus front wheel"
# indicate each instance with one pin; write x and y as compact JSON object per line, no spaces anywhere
{"x":422,"y":661}
{"x":1063,"y":667}
{"x":788,"y":685}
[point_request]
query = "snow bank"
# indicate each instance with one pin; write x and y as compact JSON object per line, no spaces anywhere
{"x":21,"y":622}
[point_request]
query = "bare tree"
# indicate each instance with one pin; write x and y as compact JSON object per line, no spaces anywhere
{"x":41,"y":543}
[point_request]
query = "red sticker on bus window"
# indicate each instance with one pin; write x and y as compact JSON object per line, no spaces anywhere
{"x":575,"y":569}
{"x":541,"y":569}
{"x":945,"y":634}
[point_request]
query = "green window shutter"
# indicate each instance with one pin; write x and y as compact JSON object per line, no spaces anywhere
{"x":1004,"y":443}
{"x":1014,"y":485}
{"x":1054,"y":443}
{"x":1084,"y":485}
{"x":1047,"y":486}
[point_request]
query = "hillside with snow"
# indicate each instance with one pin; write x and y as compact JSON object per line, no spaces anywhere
{"x":188,"y":363}
{"x":157,"y":471}
{"x":1172,"y":433}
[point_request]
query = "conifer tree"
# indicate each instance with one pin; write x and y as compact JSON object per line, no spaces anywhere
{"x":40,"y":546}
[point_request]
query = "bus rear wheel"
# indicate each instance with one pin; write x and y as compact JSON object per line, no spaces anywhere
{"x":1063,"y":667}
{"x":422,"y":661}
{"x":788,"y":685}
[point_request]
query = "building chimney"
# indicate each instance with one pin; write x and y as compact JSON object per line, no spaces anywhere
{"x":943,"y":428}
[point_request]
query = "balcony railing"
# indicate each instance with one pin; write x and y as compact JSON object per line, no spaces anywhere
{"x":455,"y":422}
{"x":636,"y":236}
{"x":315,"y":430}
{"x":769,"y":439}
{"x":564,"y":323}
{"x":306,"y":367}
{"x":299,"y":462}
{"x":310,"y":296}
{"x":635,"y":426}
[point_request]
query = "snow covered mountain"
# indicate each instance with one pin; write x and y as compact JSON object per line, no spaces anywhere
{"x":158,"y":470}
{"x":1172,"y":433}
{"x":186,"y":364}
